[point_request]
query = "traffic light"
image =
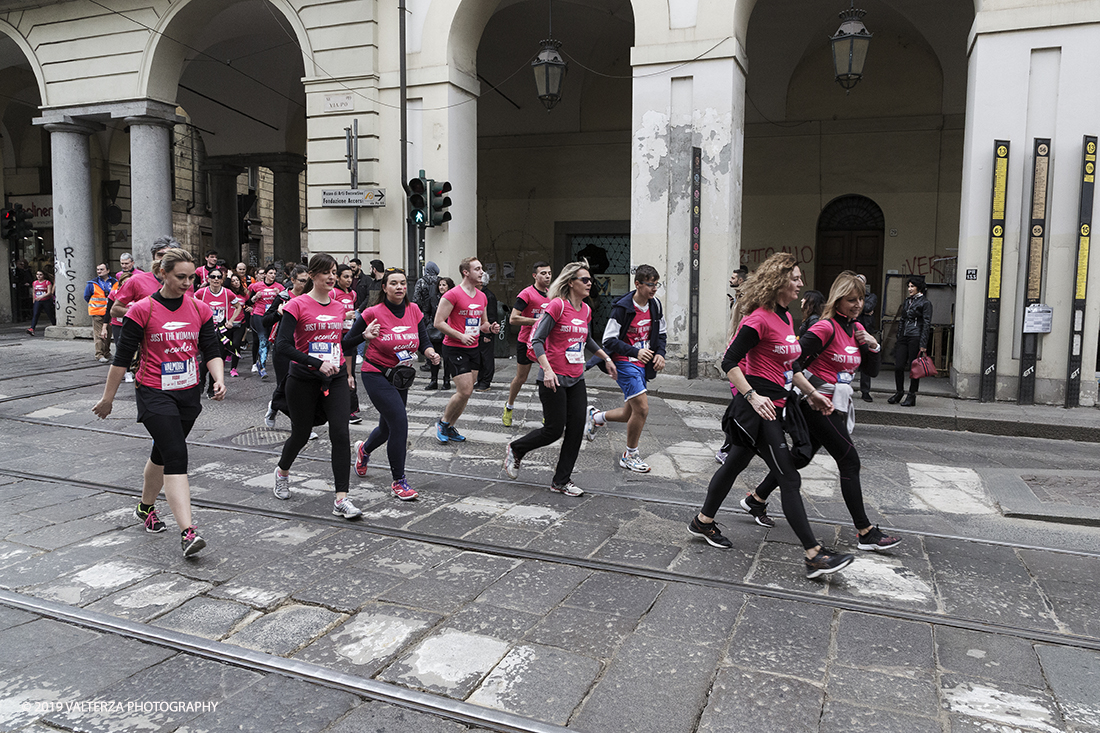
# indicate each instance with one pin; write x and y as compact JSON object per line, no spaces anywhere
{"x":22,"y":228}
{"x":7,"y":224}
{"x":439,"y":202}
{"x":419,"y":213}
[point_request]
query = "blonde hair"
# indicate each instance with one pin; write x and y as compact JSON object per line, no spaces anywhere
{"x":762,"y":289}
{"x":845,"y":284}
{"x":562,"y":283}
{"x":173,"y":257}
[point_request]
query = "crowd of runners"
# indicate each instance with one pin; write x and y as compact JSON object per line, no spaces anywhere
{"x":177,"y":327}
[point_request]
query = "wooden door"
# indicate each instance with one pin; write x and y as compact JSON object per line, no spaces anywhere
{"x":859,"y":251}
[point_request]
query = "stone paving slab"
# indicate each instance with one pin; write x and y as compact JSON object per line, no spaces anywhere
{"x":207,"y":617}
{"x":538,"y":682}
{"x":286,"y":629}
{"x":275,"y":704}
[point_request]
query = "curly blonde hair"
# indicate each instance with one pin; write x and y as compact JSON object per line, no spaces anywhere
{"x":762,"y":289}
{"x":845,"y":284}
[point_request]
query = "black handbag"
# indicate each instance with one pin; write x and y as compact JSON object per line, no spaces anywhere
{"x":401,"y":377}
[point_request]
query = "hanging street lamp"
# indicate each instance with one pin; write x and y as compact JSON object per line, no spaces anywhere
{"x":850,"y":43}
{"x":549,"y":66}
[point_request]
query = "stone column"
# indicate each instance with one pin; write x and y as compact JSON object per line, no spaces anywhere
{"x":5,"y":257}
{"x":287,"y":224}
{"x":74,"y":237}
{"x":223,"y":208}
{"x":150,"y":184}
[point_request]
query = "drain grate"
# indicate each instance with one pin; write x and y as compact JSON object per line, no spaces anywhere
{"x":260,"y":436}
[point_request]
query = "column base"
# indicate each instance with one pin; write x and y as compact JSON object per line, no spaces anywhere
{"x":69,"y":332}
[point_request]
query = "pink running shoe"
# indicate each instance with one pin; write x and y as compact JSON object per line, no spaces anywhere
{"x":233,"y":373}
{"x":403,"y":491}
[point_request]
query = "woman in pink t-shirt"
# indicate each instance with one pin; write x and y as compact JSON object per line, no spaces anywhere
{"x":261,"y":295}
{"x":42,"y":290}
{"x":345,"y":294}
{"x":394,"y":331}
{"x":833,"y":348}
{"x":172,"y":331}
{"x":317,"y":384}
{"x":557,"y":344}
{"x":761,"y":364}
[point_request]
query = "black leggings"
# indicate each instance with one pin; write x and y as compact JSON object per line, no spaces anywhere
{"x":906,"y":349}
{"x":831,"y":432}
{"x":169,"y":442}
{"x":393,"y":421}
{"x":564,"y":411}
{"x":303,"y":396}
{"x":771,"y":445}
{"x":236,"y":339}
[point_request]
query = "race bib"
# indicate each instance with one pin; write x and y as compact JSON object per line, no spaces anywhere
{"x":843,"y":377}
{"x":404,"y":358}
{"x":219,"y":314}
{"x":473,"y":326}
{"x":639,"y":345}
{"x":575,"y":353}
{"x":327,"y":351}
{"x":179,"y":374}
{"x":788,"y":379}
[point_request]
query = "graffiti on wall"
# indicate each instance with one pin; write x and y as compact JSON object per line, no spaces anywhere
{"x":756,"y":256}
{"x":66,"y":286}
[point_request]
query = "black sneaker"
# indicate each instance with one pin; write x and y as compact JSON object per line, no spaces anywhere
{"x":826,"y":562}
{"x":152,"y":522}
{"x":190,"y":541}
{"x":876,"y":540}
{"x":758,"y":510}
{"x":709,"y":531}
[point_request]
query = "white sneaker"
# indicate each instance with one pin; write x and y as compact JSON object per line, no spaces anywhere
{"x":269,"y":418}
{"x":104,"y":360}
{"x":634,"y":462}
{"x":590,"y":423}
{"x":313,"y":435}
{"x":282,"y":486}
{"x":511,"y":465}
{"x":344,"y":508}
{"x":569,"y":489}
{"x":720,"y":456}
{"x":255,"y":368}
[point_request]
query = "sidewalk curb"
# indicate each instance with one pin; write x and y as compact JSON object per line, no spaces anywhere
{"x":1017,"y":500}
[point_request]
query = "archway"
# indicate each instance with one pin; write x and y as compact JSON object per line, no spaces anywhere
{"x":849,"y":237}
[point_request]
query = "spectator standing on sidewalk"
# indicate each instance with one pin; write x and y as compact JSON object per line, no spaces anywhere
{"x":42,"y":299}
{"x":96,"y":294}
{"x":867,"y":320}
{"x":487,"y":341}
{"x":914,"y":320}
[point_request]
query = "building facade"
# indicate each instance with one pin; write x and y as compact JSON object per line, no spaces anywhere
{"x":893,"y":178}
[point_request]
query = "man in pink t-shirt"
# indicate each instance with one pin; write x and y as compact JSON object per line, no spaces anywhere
{"x":525,"y":313}
{"x":461,"y":318}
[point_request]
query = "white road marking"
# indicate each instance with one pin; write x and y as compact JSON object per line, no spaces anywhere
{"x":989,"y":703}
{"x":948,"y":489}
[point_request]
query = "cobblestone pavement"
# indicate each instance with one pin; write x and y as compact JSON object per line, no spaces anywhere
{"x":498,"y":598}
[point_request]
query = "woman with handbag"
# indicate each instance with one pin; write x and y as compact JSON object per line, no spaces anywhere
{"x":317,"y":383}
{"x":914,"y":321}
{"x":761,"y":364}
{"x":832,"y":350}
{"x":395,"y":331}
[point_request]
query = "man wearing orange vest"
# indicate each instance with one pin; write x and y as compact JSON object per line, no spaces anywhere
{"x":95,"y":293}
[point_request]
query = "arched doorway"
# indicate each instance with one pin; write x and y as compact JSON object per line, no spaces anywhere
{"x":849,"y":237}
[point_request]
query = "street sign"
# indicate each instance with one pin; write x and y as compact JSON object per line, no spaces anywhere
{"x":353,"y":197}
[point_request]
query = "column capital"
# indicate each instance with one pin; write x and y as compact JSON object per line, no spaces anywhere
{"x":284,"y":163}
{"x":224,"y":165}
{"x":109,"y":111}
{"x":151,"y":121}
{"x":74,"y":125}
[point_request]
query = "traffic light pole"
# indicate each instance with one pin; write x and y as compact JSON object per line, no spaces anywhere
{"x":352,"y":134}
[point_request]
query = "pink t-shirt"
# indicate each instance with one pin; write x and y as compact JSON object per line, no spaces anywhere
{"x":41,"y":287}
{"x":397,"y":341}
{"x":565,"y":344}
{"x":465,"y":315}
{"x":140,"y":285}
{"x":777,"y":351}
{"x":223,"y":304}
{"x":266,"y":294}
{"x":536,"y":303}
{"x":348,"y":301}
{"x":112,"y":296}
{"x":319,"y":328}
{"x":840,"y":358}
{"x":637,"y":333}
{"x":170,"y":347}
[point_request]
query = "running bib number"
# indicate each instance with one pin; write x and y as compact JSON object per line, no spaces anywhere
{"x":575,"y":353}
{"x":327,"y":351}
{"x":788,"y":379}
{"x":473,"y":326}
{"x":219,"y":314}
{"x":179,"y":374}
{"x":844,"y":377}
{"x":404,"y":358}
{"x":639,"y":345}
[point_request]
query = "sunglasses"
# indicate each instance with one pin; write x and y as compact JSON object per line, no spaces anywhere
{"x":395,"y":269}
{"x":585,"y":280}
{"x":213,"y":277}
